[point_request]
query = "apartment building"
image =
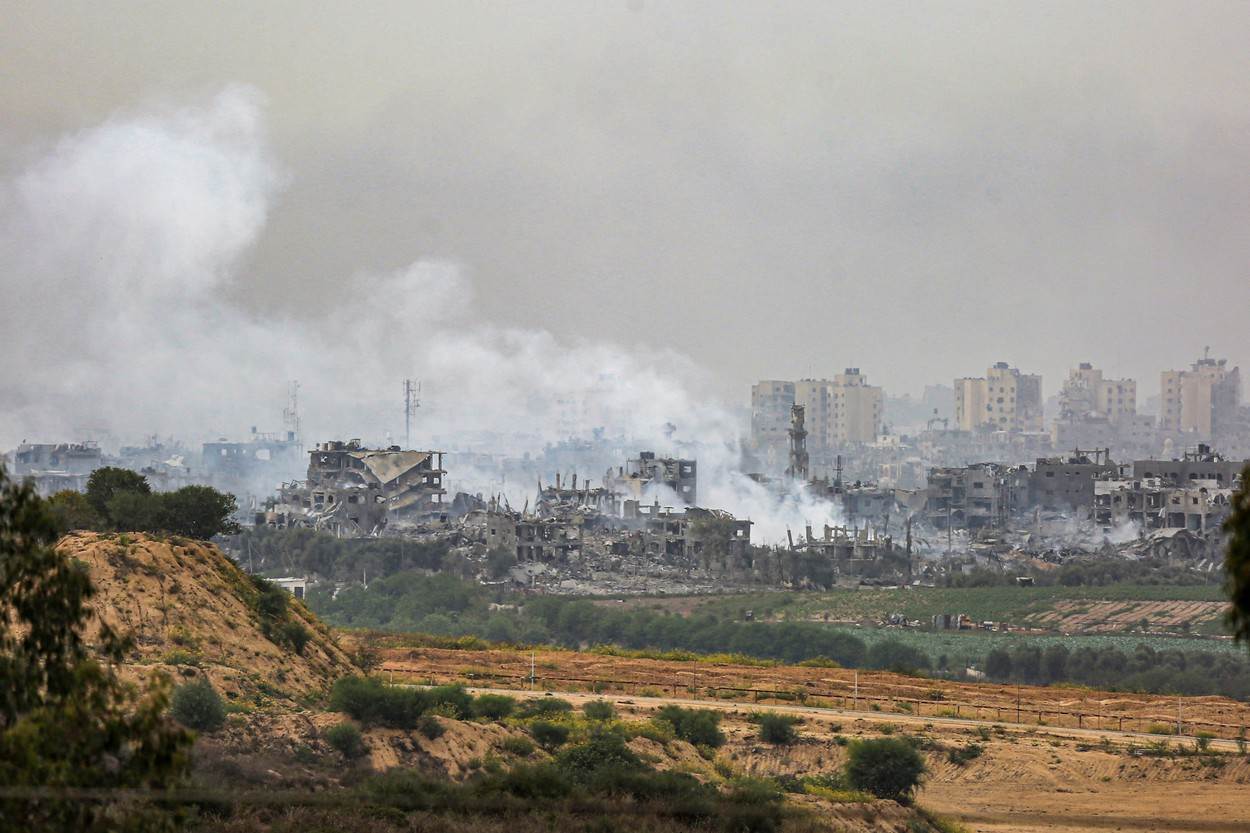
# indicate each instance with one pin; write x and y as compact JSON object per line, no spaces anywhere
{"x":1203,"y":400}
{"x":1003,"y":400}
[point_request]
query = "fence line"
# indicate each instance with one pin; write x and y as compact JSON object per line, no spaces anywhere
{"x":1023,"y":713}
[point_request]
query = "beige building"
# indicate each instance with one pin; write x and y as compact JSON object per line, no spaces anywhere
{"x":1004,"y":400}
{"x":771,"y":400}
{"x":857,"y":408}
{"x":837,"y":412}
{"x":1086,"y":393}
{"x":1200,"y":400}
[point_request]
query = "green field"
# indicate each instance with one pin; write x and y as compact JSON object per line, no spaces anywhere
{"x":962,"y":648}
{"x":1016,"y":605}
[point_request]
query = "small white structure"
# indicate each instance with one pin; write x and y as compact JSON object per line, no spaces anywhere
{"x":292,"y":585}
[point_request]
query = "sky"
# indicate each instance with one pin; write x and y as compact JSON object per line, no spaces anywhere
{"x":738,"y":191}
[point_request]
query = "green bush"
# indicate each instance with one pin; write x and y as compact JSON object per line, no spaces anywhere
{"x":197,"y":706}
{"x":493,"y":706}
{"x":603,"y":750}
{"x":519,"y":746}
{"x":962,"y":755}
{"x":453,"y":700}
{"x":295,"y":635}
{"x":535,"y":781}
{"x":345,"y":738}
{"x":700,"y":727}
{"x":549,"y":735}
{"x":429,"y":726}
{"x":886,"y":767}
{"x":778,"y":729}
{"x":375,"y":704}
{"x":545,"y":707}
{"x":599,"y":710}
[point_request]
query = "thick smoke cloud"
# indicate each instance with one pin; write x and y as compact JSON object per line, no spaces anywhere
{"x":122,"y":247}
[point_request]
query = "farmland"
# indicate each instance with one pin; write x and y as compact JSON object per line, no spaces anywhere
{"x":1140,"y":609}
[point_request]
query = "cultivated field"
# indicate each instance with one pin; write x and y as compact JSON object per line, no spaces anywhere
{"x":874,"y":692}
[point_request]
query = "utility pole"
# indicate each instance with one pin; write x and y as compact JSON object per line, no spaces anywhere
{"x":531,"y":670}
{"x":412,"y":401}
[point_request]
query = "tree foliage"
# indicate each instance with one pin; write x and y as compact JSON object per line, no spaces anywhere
{"x":1237,"y":560}
{"x":886,"y":767}
{"x":66,"y":719}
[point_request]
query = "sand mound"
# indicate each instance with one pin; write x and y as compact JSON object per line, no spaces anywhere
{"x":192,"y":610}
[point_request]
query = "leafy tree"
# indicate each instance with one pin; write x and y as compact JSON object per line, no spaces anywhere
{"x":893,"y":655}
{"x":1237,"y":560}
{"x":197,"y":512}
{"x":71,"y":510}
{"x":498,"y":562}
{"x":66,"y":719}
{"x":134,"y":512}
{"x":998,"y":664}
{"x":198,"y":706}
{"x":105,"y":483}
{"x":886,"y":767}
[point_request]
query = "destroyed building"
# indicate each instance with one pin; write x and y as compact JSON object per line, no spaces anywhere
{"x":55,"y":467}
{"x":975,"y":497}
{"x":352,"y":490}
{"x":237,"y":466}
{"x":634,"y":478}
{"x":1155,"y":503}
{"x":1066,"y":484}
{"x":1200,"y":464}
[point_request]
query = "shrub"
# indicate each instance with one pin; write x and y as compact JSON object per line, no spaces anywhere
{"x":886,"y":767}
{"x":600,"y":710}
{"x":493,"y":706}
{"x":453,"y":700}
{"x":375,"y":704}
{"x":197,"y":706}
{"x":777,"y":728}
{"x":519,"y":746}
{"x":345,"y":738}
{"x":700,"y":727}
{"x":602,"y":751}
{"x":295,"y":635}
{"x":545,"y":707}
{"x":535,"y":781}
{"x":429,"y":726}
{"x":963,"y":755}
{"x":549,"y":735}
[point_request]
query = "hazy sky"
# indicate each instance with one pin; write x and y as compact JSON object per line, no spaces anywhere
{"x":773,"y":189}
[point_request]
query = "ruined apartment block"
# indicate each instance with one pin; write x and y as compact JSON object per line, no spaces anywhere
{"x":645,"y":471}
{"x":352,"y":490}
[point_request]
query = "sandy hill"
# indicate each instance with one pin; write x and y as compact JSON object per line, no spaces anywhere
{"x":190,"y":607}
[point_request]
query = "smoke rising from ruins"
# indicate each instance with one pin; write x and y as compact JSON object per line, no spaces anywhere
{"x":139,"y":227}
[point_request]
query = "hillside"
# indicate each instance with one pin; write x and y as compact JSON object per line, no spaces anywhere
{"x":190,"y":607}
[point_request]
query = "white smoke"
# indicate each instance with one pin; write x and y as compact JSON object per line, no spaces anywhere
{"x":120,"y":253}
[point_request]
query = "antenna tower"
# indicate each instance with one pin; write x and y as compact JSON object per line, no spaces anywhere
{"x":412,"y":401}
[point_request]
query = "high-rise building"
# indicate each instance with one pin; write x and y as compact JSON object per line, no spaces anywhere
{"x":771,"y":401}
{"x":837,"y":412}
{"x":1004,"y":400}
{"x":856,"y":408}
{"x":1201,"y":400}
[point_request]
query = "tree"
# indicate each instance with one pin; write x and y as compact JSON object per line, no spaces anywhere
{"x":886,"y":767}
{"x":197,"y":706}
{"x":71,"y":510}
{"x":106,"y":482}
{"x":1237,"y":560}
{"x":66,"y":719}
{"x":998,"y":664}
{"x":346,"y":738}
{"x":198,"y":512}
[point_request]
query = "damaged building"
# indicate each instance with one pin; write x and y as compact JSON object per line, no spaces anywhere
{"x":647,"y":471}
{"x":352,"y":490}
{"x":55,"y":467}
